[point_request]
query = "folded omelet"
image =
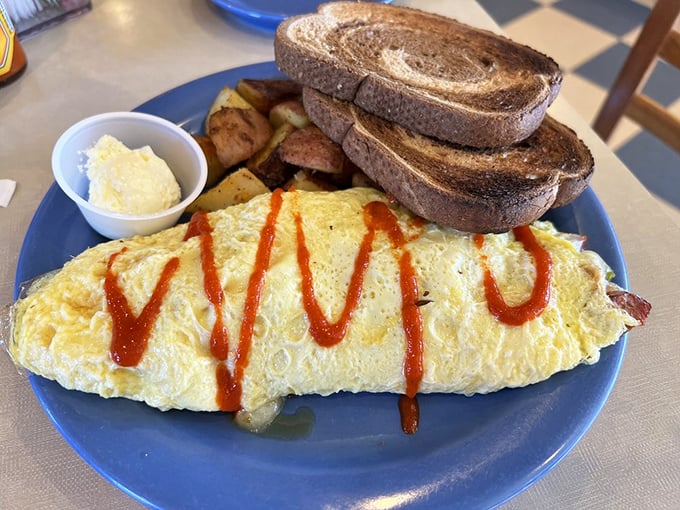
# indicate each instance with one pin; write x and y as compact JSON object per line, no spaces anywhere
{"x":314,"y":293}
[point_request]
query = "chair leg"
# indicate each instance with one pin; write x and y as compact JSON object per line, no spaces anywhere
{"x":638,"y":65}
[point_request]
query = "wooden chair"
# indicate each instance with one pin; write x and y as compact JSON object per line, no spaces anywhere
{"x":658,"y":39}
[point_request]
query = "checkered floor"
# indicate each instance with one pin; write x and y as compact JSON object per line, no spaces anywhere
{"x":590,"y":39}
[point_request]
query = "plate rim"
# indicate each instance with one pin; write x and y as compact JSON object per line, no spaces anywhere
{"x":262,"y":17}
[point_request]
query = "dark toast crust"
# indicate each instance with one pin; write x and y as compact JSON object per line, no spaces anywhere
{"x":474,"y":190}
{"x":440,"y":77}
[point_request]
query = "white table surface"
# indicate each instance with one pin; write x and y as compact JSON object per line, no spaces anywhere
{"x":125,"y":52}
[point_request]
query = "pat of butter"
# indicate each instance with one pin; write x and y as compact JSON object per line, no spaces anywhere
{"x":129,"y":181}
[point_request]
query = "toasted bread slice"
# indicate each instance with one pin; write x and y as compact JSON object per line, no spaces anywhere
{"x":474,"y":190}
{"x":435,"y":75}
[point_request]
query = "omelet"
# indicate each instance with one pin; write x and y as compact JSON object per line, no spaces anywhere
{"x":302,"y":292}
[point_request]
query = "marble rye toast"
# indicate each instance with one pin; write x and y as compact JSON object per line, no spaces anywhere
{"x":473,"y":190}
{"x":437,"y":76}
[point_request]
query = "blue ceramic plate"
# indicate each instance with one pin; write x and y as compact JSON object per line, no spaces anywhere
{"x":469,"y":452}
{"x":269,"y":13}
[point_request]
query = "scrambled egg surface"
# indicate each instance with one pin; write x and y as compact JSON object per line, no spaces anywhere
{"x":63,"y":329}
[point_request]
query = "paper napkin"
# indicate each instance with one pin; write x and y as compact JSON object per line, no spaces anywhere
{"x":7,"y":187}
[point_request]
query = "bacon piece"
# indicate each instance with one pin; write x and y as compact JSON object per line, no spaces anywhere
{"x":637,"y":307}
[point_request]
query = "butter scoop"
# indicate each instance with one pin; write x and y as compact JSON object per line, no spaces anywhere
{"x":129,"y":181}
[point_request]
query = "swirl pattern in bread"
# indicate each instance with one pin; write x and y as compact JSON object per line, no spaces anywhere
{"x":440,"y":77}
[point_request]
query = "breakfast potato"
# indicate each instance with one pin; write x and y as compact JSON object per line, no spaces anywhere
{"x":309,"y":180}
{"x":277,"y":148}
{"x":292,"y":112}
{"x":238,"y":133}
{"x":235,"y":188}
{"x":311,"y":148}
{"x":216,"y":170}
{"x":361,"y":180}
{"x":226,"y":98}
{"x":267,"y":165}
{"x":264,"y":94}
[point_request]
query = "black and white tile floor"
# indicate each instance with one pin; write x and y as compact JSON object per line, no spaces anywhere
{"x":590,"y":39}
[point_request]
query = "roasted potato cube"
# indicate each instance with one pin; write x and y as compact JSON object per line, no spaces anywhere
{"x":266,"y":163}
{"x":291,"y":112}
{"x":235,"y":188}
{"x":343,"y":179}
{"x":226,"y":98}
{"x":361,"y":180}
{"x":308,"y":180}
{"x":215,"y":169}
{"x":310,"y":148}
{"x":238,"y":133}
{"x":264,"y":94}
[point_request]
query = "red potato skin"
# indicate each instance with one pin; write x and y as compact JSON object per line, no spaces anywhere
{"x":237,"y":134}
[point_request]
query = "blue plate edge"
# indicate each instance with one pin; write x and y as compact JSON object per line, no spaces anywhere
{"x":259,"y":17}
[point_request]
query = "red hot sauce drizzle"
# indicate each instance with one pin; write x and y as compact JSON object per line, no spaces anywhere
{"x":131,"y":334}
{"x":199,"y":225}
{"x":228,"y":383}
{"x":540,"y":294}
{"x":377,"y":216}
{"x":324,"y":332}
